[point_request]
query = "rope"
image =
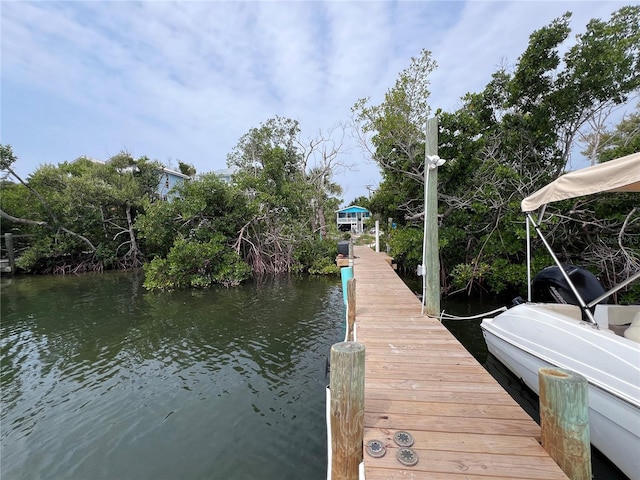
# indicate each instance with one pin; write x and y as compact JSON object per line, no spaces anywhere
{"x":446,"y":316}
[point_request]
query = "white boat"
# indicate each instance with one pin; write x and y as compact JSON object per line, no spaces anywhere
{"x":573,"y":329}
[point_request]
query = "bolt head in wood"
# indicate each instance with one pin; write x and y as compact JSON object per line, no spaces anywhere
{"x":403,"y":439}
{"x":407,"y":456}
{"x":376,"y":448}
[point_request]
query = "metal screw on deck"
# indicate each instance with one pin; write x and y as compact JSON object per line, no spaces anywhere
{"x":403,"y":439}
{"x":376,"y":448}
{"x":407,"y":456}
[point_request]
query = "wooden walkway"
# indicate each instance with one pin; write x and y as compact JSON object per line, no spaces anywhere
{"x":420,"y":379}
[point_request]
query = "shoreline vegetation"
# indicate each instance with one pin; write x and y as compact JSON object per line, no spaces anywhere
{"x":565,"y":97}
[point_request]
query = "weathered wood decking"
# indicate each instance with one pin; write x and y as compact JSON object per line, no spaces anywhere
{"x":418,"y":378}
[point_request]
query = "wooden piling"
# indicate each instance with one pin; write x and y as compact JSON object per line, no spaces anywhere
{"x":431,"y":251}
{"x":347,"y":409}
{"x":351,"y":308}
{"x":564,"y":419}
{"x":351,"y":252}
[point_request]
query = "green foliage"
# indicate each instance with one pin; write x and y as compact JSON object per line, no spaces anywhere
{"x":158,"y":226}
{"x":397,"y":134}
{"x":361,"y":201}
{"x":192,"y":264}
{"x":286,"y":203}
{"x":15,"y":199}
{"x":506,"y":142}
{"x":406,"y":246}
{"x":106,"y":255}
{"x":47,"y":252}
{"x":85,"y":212}
{"x":363,"y":239}
{"x":317,"y":256}
{"x":631,"y":296}
{"x":208,"y":233}
{"x":466,"y":274}
{"x":200,"y":208}
{"x":186,"y":168}
{"x":38,"y":257}
{"x":7,"y":157}
{"x":191,"y":236}
{"x":623,"y":140}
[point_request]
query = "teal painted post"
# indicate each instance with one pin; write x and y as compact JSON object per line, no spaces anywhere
{"x":345,"y":273}
{"x":564,"y":419}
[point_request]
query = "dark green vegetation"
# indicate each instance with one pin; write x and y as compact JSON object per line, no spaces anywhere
{"x":88,"y":216}
{"x":506,"y":142}
{"x":502,"y":144}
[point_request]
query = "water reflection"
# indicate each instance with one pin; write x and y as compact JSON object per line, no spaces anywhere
{"x":101,"y":379}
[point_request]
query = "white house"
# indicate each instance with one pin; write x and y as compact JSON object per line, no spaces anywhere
{"x":226,"y":174}
{"x":352,"y":218}
{"x":168,"y":180}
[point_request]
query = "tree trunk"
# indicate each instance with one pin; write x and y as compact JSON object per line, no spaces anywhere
{"x":134,"y":251}
{"x":322,"y":221}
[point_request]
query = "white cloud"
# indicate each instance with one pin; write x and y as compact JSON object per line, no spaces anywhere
{"x":185,"y":80}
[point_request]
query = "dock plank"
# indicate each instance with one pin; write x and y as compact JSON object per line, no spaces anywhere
{"x":484,"y":465}
{"x":419,"y":378}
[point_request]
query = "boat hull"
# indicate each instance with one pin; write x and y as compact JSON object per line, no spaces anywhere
{"x":520,"y":340}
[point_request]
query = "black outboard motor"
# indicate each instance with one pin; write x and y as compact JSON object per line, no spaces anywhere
{"x":550,"y":286}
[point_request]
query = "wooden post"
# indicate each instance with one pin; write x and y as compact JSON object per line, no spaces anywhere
{"x":8,"y":243}
{"x":351,"y":252}
{"x":377,"y":235}
{"x":432,"y":254}
{"x":351,"y":308}
{"x":347,"y":409}
{"x":564,"y":419}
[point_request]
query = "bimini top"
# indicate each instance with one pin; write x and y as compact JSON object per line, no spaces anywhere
{"x":619,"y":175}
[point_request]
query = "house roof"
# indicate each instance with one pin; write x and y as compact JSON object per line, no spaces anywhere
{"x":225,"y":171}
{"x":352,"y":209}
{"x":174,"y":173}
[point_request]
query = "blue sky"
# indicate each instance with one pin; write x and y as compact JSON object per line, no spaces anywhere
{"x":186,"y":80}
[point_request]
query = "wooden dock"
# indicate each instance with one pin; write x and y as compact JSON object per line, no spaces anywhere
{"x":420,"y":379}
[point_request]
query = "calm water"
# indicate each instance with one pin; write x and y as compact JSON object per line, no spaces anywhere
{"x":101,"y":379}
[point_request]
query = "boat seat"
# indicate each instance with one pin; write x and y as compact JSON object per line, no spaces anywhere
{"x":633,"y":332}
{"x":615,"y":318}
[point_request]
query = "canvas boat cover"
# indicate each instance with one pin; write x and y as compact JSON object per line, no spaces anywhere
{"x":619,"y":175}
